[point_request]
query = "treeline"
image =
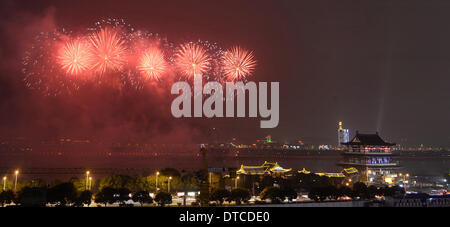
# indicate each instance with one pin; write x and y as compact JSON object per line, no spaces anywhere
{"x":65,"y":194}
{"x":107,"y":190}
{"x":358,"y":191}
{"x":118,"y":189}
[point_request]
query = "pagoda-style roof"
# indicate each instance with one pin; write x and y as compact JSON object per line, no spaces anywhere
{"x":351,"y":170}
{"x":340,"y":175}
{"x":368,"y":139}
{"x":304,"y":171}
{"x":266,"y":168}
{"x":252,"y":170}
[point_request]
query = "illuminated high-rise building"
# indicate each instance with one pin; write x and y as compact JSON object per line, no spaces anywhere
{"x":343,"y":135}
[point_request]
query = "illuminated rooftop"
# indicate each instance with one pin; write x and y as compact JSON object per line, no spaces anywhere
{"x":266,"y":168}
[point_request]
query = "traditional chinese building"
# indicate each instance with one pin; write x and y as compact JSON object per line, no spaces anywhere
{"x":372,"y":157}
{"x":252,"y":176}
{"x":267,"y":168}
{"x":347,"y":174}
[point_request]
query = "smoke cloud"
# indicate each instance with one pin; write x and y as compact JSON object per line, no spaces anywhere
{"x":104,"y":113}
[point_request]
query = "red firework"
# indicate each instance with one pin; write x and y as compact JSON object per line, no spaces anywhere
{"x":108,"y":50}
{"x":238,"y":63}
{"x":75,"y":57}
{"x":152,"y":63}
{"x":192,"y":59}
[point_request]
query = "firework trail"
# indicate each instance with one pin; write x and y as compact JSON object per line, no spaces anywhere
{"x":151,"y":60}
{"x":152,"y":63}
{"x":238,"y":63}
{"x":75,"y":56}
{"x":192,"y":59}
{"x":108,"y":50}
{"x":215,"y":52}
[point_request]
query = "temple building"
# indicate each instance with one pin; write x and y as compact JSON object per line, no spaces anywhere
{"x":252,"y":176}
{"x":372,"y":157}
{"x":346,"y":174}
{"x":267,"y":168}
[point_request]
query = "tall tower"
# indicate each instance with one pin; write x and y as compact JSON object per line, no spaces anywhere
{"x":372,"y":157}
{"x":343,"y":135}
{"x":204,"y":186}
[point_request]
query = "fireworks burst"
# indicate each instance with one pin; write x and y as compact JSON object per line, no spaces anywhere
{"x":108,"y":50}
{"x":152,"y":63}
{"x":42,"y":70}
{"x":113,"y":52}
{"x":238,"y":63}
{"x":75,"y":57}
{"x":192,"y":59}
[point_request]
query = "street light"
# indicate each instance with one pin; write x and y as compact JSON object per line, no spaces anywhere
{"x":405,"y":180}
{"x":236,"y":182}
{"x":210,"y":182}
{"x":210,"y":179}
{"x":90,"y":183}
{"x":15,"y":182}
{"x":4,"y":183}
{"x":157,"y":174}
{"x":87,"y":180}
{"x":168,"y":185}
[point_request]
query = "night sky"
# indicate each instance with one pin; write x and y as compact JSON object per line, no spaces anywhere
{"x":375,"y":65}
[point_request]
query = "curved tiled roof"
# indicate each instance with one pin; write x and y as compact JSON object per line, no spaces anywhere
{"x":368,"y":139}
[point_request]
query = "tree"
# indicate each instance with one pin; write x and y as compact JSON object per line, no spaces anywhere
{"x":170,"y":172}
{"x":240,"y":195}
{"x":266,"y":181}
{"x":308,"y":181}
{"x":220,"y":195}
{"x":163,"y":198}
{"x":6,"y":197}
{"x":141,"y":184}
{"x":124,"y":195}
{"x":360,"y":190}
{"x":176,"y":184}
{"x":62,"y":194}
{"x":190,"y":182}
{"x":393,"y":191}
{"x":346,"y":191}
{"x":318,"y":194}
{"x":32,"y":197}
{"x":117,"y":182}
{"x":107,"y":195}
{"x":273,"y":193}
{"x":372,"y":191}
{"x":38,"y":183}
{"x":331,"y":192}
{"x":289,"y":193}
{"x":55,"y":182}
{"x":85,"y":197}
{"x":142,"y":197}
{"x":80,"y":184}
